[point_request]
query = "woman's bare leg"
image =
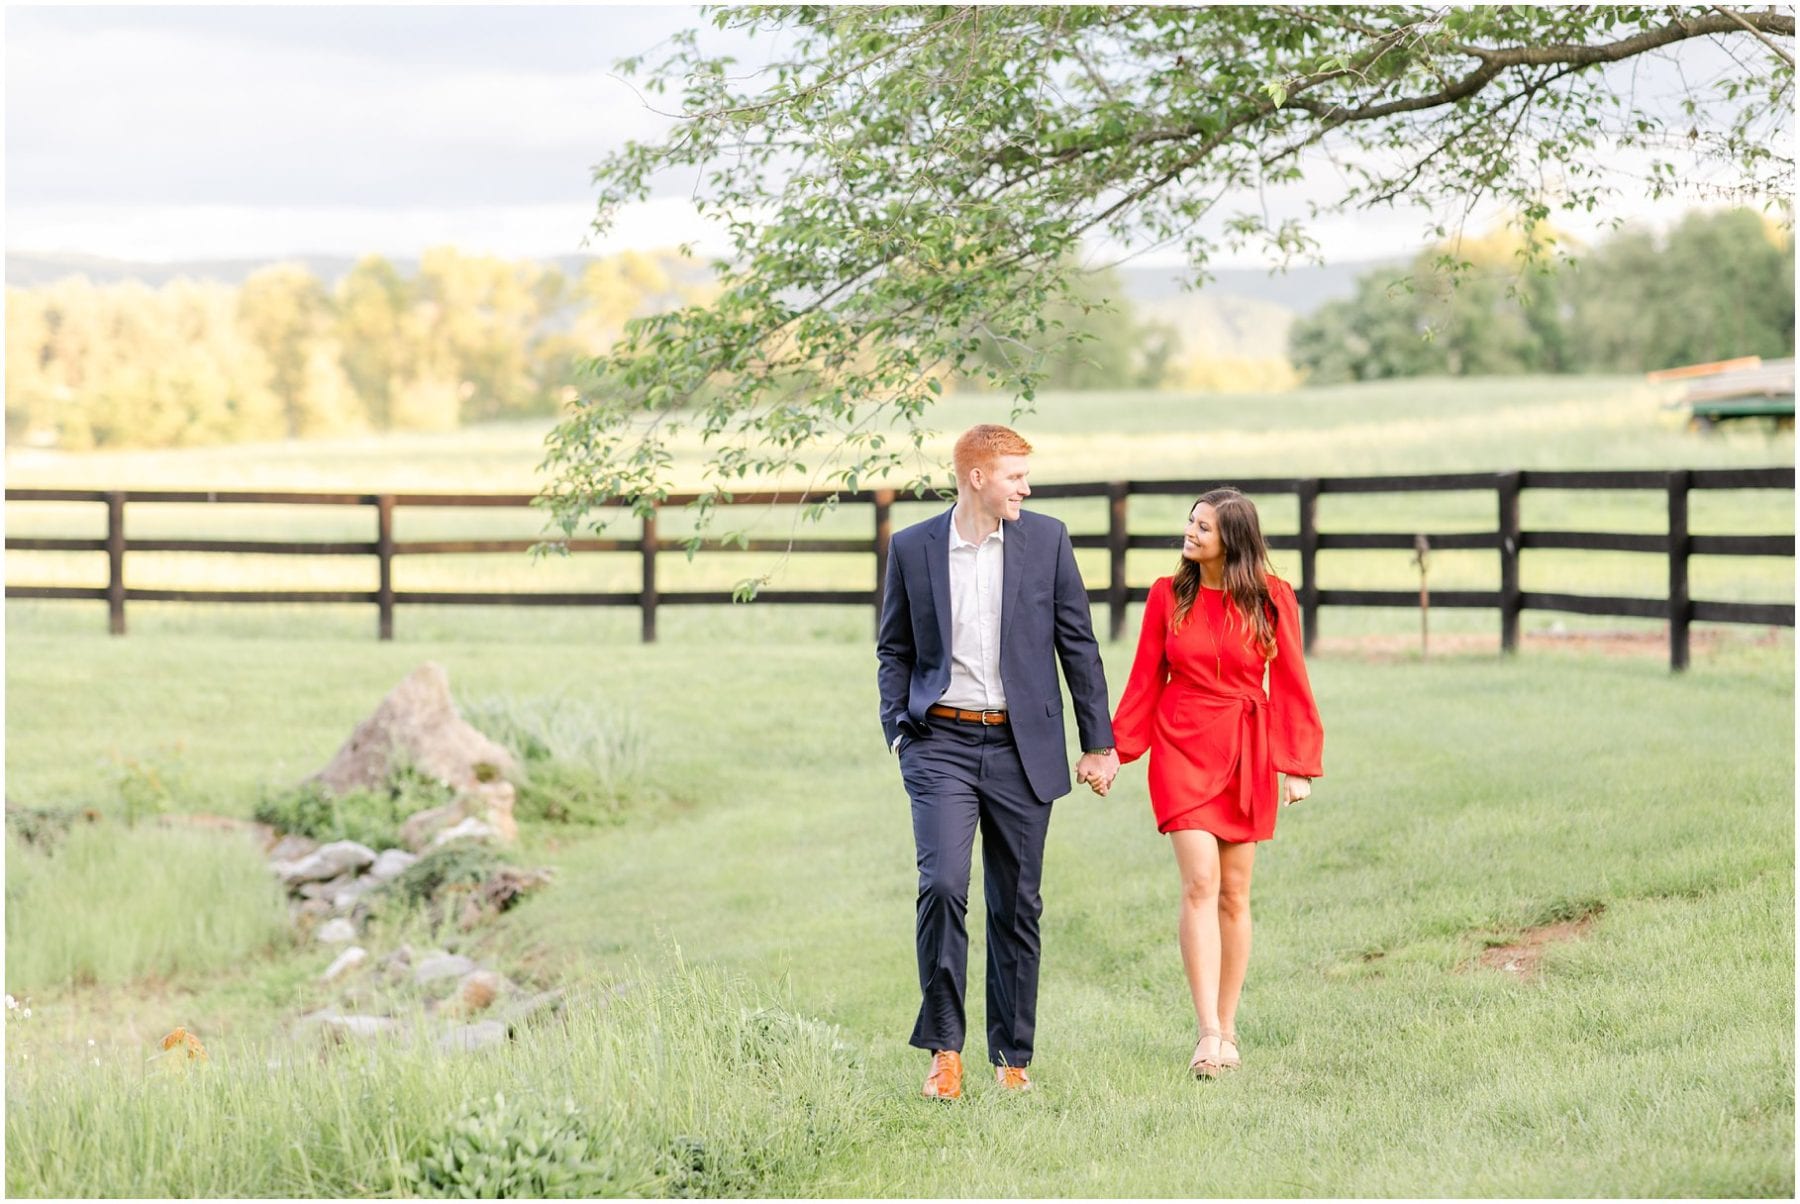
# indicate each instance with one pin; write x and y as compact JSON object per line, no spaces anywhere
{"x":1235,"y":863}
{"x":1197,"y":859}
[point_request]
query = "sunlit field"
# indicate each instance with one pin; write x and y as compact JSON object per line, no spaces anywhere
{"x":737,"y":947}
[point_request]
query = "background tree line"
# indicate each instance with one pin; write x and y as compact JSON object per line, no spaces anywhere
{"x":1721,"y":284}
{"x":466,"y":338}
{"x":469,"y":338}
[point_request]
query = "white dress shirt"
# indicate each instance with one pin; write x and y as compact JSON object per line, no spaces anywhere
{"x":976,"y":574}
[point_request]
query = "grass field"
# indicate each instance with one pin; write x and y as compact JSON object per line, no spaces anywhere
{"x":739,"y":948}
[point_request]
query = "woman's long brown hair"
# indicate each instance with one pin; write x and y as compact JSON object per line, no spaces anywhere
{"x":1246,"y":567}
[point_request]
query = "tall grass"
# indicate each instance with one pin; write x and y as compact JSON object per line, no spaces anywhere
{"x":581,"y":760}
{"x":689,"y":1082}
{"x":108,"y":904}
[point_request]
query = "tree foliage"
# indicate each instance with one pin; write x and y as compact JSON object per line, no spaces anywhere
{"x":904,"y":188}
{"x":1719,"y":285}
{"x":464,"y":339}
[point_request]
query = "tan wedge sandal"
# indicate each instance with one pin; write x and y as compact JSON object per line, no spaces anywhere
{"x":1231,"y":1061}
{"x":1201,"y":1067}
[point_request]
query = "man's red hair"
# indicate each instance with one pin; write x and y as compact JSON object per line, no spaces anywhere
{"x":980,"y":446}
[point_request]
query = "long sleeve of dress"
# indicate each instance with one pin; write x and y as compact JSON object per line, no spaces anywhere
{"x":1135,"y":719}
{"x":1296,"y":735}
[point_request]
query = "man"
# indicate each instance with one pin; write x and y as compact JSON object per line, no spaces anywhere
{"x":980,"y":604}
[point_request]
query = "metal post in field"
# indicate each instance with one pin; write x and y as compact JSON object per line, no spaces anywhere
{"x":1118,"y":541}
{"x":384,"y":554}
{"x":647,"y":596}
{"x":1511,"y":600}
{"x":1680,"y":604}
{"x":115,"y":562}
{"x":884,"y":534}
{"x":1422,"y":557}
{"x":1307,"y":491}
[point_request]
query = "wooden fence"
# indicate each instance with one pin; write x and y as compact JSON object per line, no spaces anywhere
{"x":1507,"y":541}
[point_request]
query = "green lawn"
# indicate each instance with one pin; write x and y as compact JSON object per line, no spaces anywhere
{"x":1466,"y":799}
{"x":738,"y":949}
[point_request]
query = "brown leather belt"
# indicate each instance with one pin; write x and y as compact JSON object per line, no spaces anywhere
{"x":985,"y":718}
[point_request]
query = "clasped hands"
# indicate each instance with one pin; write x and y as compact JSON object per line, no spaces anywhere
{"x":1097,"y":770}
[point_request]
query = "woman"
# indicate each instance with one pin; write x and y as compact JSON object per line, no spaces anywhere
{"x":1195,"y":702}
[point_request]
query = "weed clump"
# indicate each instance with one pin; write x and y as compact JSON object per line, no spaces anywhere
{"x":577,"y":765}
{"x":370,"y":817}
{"x":501,"y":1149}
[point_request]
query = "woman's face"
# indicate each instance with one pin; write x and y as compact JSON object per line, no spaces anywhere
{"x":1201,"y":542}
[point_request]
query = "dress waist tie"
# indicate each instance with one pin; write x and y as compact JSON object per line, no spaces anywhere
{"x":1256,"y":790}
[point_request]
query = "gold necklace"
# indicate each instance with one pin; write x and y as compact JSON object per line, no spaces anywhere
{"x":1218,"y":640}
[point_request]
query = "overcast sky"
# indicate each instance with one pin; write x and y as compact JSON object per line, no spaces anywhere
{"x":225,"y":132}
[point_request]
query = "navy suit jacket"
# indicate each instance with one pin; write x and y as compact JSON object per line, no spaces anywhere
{"x":1043,"y":618}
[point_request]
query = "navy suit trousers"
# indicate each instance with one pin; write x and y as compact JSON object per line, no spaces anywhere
{"x":964,"y":776}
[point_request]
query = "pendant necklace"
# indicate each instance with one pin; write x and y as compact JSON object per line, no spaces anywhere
{"x":1218,"y":655}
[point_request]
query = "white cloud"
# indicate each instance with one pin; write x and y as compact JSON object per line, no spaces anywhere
{"x":191,"y":117}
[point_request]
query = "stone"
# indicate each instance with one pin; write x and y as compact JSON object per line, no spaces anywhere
{"x":327,"y":862}
{"x":341,"y":1027}
{"x":532,"y":1009}
{"x":397,"y":963}
{"x":442,"y":965}
{"x":291,"y":847}
{"x":417,"y":725}
{"x":468,"y":829}
{"x":345,"y":962}
{"x":308,"y":912}
{"x":477,"y":990}
{"x":492,"y":803}
{"x":324,"y":890}
{"x":419,"y":827}
{"x":391,"y":864}
{"x":344,"y":901}
{"x":467,"y":1038}
{"x":336,"y":932}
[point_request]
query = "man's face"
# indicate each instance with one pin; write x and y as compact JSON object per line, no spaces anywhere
{"x":1001,"y":486}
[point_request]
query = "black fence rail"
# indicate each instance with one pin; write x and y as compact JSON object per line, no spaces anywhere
{"x":1507,"y":541}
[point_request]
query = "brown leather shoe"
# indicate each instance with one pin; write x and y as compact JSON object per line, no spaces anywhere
{"x":1012,"y":1078}
{"x":945,"y":1079}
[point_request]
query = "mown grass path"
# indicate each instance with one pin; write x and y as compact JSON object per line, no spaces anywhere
{"x":1466,"y":800}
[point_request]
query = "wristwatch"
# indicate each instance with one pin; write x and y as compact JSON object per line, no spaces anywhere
{"x":1097,"y":752}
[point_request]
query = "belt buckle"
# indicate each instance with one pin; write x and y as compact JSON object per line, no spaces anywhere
{"x":992,"y":718}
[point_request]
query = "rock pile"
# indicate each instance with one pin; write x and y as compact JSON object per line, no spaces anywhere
{"x":417,"y":726}
{"x":442,"y":998}
{"x":329,"y":881}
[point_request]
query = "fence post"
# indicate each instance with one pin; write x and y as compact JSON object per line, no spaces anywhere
{"x":1307,"y":491}
{"x":1506,"y":489}
{"x":384,"y":554}
{"x":884,"y":534}
{"x":1118,"y":541}
{"x":647,"y":596}
{"x":115,"y":562}
{"x":1680,"y":605}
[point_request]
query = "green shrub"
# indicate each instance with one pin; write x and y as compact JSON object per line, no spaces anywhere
{"x":501,"y":1149}
{"x":371,"y":817}
{"x":460,"y":863}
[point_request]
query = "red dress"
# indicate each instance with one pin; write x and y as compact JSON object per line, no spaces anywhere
{"x":1195,"y":702}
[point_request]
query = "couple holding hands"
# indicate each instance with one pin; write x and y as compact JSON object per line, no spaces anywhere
{"x":980,"y":605}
